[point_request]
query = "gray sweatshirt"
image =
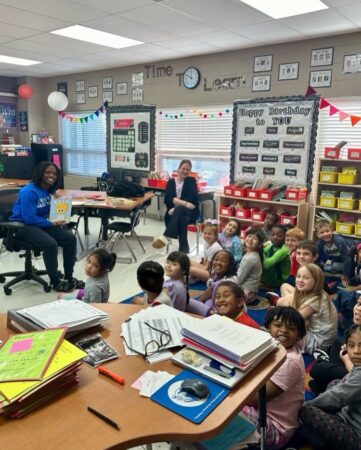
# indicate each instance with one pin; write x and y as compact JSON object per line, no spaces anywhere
{"x":250,"y":271}
{"x":343,"y":398}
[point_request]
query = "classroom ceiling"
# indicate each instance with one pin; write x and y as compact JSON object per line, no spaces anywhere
{"x":170,"y":29}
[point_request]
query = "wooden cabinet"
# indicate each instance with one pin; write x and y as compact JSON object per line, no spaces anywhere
{"x":227,"y":210}
{"x":329,"y":181}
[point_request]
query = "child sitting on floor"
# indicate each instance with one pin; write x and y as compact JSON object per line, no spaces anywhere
{"x":150,"y":277}
{"x":230,"y":240}
{"x":293,"y":237}
{"x":200,"y":271}
{"x":229,"y":301}
{"x":285,"y":389}
{"x":333,"y":419}
{"x":270,"y":220}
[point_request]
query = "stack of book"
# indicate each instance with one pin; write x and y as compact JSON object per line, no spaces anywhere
{"x":235,"y":345}
{"x":35,"y":367}
{"x":76,"y":316}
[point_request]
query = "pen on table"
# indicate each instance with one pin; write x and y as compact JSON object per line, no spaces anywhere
{"x":108,"y":373}
{"x":104,"y":418}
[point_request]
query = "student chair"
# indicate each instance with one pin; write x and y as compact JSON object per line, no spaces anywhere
{"x":119,"y":229}
{"x":8,"y":231}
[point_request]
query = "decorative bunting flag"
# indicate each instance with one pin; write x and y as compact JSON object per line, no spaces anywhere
{"x":333,"y":110}
{"x":355,"y":120}
{"x":194,"y":113}
{"x":323,"y":103}
{"x":343,"y":116}
{"x":83,"y":119}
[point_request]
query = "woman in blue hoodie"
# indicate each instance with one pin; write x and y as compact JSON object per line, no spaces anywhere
{"x":32,"y":207}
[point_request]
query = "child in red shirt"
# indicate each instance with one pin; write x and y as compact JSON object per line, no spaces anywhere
{"x":229,"y":301}
{"x":293,"y":237}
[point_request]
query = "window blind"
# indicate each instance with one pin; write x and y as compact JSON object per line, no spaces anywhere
{"x":84,"y":145}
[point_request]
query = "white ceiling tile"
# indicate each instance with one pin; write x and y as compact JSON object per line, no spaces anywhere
{"x":129,"y":28}
{"x":352,"y":13}
{"x":226,"y":40}
{"x":167,"y":20}
{"x":338,"y":3}
{"x":20,"y":18}
{"x":4,"y":39}
{"x":114,"y":6}
{"x":30,"y":46}
{"x":320,"y":23}
{"x":271,"y":31}
{"x":67,"y":43}
{"x":15,"y":31}
{"x":223,"y":14}
{"x":158,"y":51}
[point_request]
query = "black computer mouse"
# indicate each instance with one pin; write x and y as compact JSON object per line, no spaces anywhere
{"x":195,"y":387}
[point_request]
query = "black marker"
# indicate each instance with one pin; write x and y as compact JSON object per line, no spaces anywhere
{"x":104,"y":418}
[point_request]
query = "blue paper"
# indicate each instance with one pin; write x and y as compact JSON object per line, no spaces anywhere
{"x":195,"y":410}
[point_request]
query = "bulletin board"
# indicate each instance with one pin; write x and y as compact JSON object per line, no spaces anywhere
{"x":131,"y":139}
{"x":274,"y":138}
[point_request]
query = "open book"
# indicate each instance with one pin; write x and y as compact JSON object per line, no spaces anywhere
{"x":60,"y":209}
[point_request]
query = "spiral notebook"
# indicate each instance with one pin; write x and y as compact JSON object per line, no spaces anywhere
{"x":235,"y":341}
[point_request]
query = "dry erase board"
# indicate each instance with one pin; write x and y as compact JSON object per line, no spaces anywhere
{"x":274,"y":138}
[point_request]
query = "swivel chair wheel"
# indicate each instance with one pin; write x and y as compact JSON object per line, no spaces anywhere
{"x":47,"y":288}
{"x":8,"y":291}
{"x":2,"y":279}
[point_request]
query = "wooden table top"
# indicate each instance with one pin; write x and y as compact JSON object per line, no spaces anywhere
{"x":100,"y":199}
{"x":65,"y":423}
{"x":12,"y":182}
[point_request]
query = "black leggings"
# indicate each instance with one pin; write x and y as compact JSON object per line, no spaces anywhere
{"x":176,"y":226}
{"x":324,"y":430}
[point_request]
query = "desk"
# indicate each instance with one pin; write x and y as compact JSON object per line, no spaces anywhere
{"x":203,"y":196}
{"x":12,"y":182}
{"x":83,"y":200}
{"x":65,"y":424}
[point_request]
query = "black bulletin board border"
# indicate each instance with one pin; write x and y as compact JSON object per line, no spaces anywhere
{"x":276,"y":100}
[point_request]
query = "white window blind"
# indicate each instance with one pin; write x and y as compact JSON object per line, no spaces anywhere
{"x":84,"y":145}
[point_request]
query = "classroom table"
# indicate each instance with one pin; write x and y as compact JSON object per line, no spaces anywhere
{"x":64,"y":423}
{"x":12,"y":182}
{"x":110,"y":206}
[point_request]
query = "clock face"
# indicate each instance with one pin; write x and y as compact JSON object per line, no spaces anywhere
{"x":191,"y":77}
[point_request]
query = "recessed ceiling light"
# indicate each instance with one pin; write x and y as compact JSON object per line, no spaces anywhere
{"x":96,"y":37}
{"x":286,"y":8}
{"x":18,"y":61}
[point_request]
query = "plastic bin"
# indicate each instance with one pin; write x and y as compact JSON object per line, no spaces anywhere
{"x":239,"y":191}
{"x":292,"y":194}
{"x":228,"y":190}
{"x":258,"y":215}
{"x":161,"y":183}
{"x":332,"y":152}
{"x":226,"y":211}
{"x":346,"y":203}
{"x":285,"y":220}
{"x":328,"y":177}
{"x":244,"y":229}
{"x":359,"y":205}
{"x":252,"y":193}
{"x":328,"y":202}
{"x":345,"y":228}
{"x":152,"y":182}
{"x":243,"y":213}
{"x":354,"y":154}
{"x":265,"y":194}
{"x":345,"y":178}
{"x":358,"y":230}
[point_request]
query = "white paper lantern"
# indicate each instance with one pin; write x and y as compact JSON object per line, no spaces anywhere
{"x":57,"y":101}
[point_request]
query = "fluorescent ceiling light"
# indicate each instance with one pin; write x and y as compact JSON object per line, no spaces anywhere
{"x":286,"y":8}
{"x":96,"y":37}
{"x":18,"y":61}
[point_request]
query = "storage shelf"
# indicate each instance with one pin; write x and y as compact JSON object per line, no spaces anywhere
{"x":354,"y":236}
{"x":240,"y":219}
{"x":341,"y":160}
{"x":353,"y":211}
{"x":340,"y":185}
{"x":272,"y":202}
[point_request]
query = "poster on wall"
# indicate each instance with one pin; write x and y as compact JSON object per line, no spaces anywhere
{"x":23,"y":120}
{"x":131,"y":137}
{"x":7,"y":115}
{"x":274,"y":138}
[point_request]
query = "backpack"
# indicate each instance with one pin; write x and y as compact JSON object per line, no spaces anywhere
{"x":125,"y":189}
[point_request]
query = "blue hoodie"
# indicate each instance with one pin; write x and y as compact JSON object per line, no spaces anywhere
{"x":32,"y":206}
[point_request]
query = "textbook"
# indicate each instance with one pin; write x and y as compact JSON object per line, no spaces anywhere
{"x":60,"y":209}
{"x":27,"y":356}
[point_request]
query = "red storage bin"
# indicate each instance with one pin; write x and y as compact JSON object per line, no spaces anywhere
{"x":265,"y":194}
{"x":152,"y":182}
{"x":239,"y":191}
{"x":292,"y":194}
{"x":244,"y":229}
{"x":226,"y":210}
{"x":258,"y":215}
{"x":161,"y":183}
{"x":252,"y":193}
{"x":332,"y":152}
{"x":228,"y":190}
{"x":243,"y":213}
{"x":285,"y":220}
{"x":354,"y":154}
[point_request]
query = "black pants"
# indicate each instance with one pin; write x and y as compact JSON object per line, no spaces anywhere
{"x":47,"y":241}
{"x":323,"y":372}
{"x":176,"y":226}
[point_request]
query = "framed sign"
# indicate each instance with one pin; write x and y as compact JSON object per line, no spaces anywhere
{"x":93,"y":91}
{"x":274,"y":138}
{"x":63,"y":87}
{"x":107,"y":83}
{"x":131,"y":139}
{"x":80,"y":86}
{"x":137,"y":94}
{"x":122,"y":88}
{"x":108,"y":96}
{"x":137,"y":79}
{"x":261,"y":83}
{"x":23,"y":120}
{"x":322,"y":57}
{"x":262,"y":63}
{"x":352,"y":63}
{"x":80,"y":98}
{"x":320,"y":78}
{"x":288,"y":71}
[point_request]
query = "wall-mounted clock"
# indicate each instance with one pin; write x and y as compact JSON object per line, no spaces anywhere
{"x":191,"y":77}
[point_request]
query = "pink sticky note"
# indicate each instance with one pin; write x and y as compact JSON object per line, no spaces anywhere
{"x":21,"y":346}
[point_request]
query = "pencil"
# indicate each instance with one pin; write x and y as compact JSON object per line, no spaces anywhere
{"x":104,"y":418}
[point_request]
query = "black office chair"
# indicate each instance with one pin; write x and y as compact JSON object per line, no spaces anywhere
{"x":8,"y":231}
{"x":119,"y":229}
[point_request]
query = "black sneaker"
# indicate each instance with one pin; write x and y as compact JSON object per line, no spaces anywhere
{"x":321,"y":355}
{"x":63,"y":286}
{"x":79,"y":284}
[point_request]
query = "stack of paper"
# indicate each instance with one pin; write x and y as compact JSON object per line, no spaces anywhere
{"x":73,"y":314}
{"x":228,"y":341}
{"x":17,"y":398}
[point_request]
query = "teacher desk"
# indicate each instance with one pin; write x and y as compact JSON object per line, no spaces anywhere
{"x":65,"y":423}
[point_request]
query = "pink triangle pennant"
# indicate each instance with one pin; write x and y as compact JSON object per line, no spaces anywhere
{"x":333,"y":110}
{"x":323,"y":103}
{"x":310,"y":91}
{"x":342,"y":115}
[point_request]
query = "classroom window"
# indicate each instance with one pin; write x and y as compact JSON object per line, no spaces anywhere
{"x":202,"y":134}
{"x":84,"y":145}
